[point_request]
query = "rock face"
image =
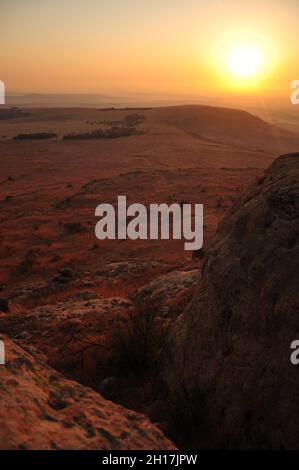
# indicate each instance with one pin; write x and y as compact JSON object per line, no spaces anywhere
{"x":42,"y":410}
{"x":231,"y":346}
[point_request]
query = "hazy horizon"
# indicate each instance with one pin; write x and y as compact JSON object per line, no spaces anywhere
{"x":162,"y":47}
{"x":252,"y":103}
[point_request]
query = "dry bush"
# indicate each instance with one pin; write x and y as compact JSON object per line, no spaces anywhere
{"x":138,"y":340}
{"x":36,"y":136}
{"x":114,"y":132}
{"x":133,"y":119}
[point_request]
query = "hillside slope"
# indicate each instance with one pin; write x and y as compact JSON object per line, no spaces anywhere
{"x":227,"y":126}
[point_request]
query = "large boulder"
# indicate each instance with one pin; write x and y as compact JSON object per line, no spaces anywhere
{"x":42,"y":410}
{"x":229,"y":352}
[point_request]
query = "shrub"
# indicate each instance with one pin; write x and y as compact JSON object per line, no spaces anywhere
{"x":112,"y":133}
{"x":73,"y":227}
{"x":28,"y":262}
{"x":200,"y":253}
{"x":138,"y":342}
{"x":36,"y":136}
{"x":12,"y":113}
{"x":133,"y":119}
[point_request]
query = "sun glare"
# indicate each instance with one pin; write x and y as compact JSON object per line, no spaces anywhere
{"x":245,"y":61}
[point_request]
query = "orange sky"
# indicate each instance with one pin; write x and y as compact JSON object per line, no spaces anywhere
{"x":145,"y":46}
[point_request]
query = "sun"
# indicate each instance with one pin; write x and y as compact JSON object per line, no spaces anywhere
{"x":245,"y":61}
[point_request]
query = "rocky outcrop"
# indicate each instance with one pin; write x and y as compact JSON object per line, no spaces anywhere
{"x":75,"y":335}
{"x":231,"y":347}
{"x":169,"y":293}
{"x":42,"y":410}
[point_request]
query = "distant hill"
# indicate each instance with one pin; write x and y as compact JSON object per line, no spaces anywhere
{"x":227,"y":126}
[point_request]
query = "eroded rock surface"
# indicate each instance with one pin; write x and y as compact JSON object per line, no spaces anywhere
{"x":42,"y":410}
